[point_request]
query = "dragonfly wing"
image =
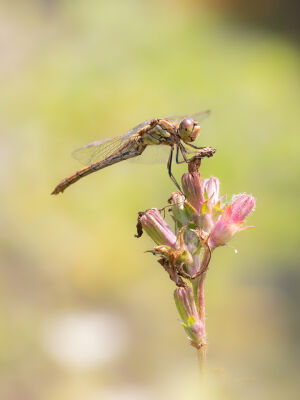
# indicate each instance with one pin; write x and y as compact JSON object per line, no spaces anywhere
{"x":135,"y":130}
{"x":101,"y":149}
{"x":154,"y":154}
{"x":199,"y":117}
{"x":97,"y":150}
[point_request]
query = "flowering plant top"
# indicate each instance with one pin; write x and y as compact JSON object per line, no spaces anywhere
{"x":202,"y":223}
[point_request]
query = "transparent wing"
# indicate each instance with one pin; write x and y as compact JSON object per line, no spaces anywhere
{"x":199,"y":116}
{"x":154,"y":154}
{"x":101,"y":149}
{"x":97,"y":150}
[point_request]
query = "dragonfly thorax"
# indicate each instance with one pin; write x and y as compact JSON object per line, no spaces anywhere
{"x":188,"y":130}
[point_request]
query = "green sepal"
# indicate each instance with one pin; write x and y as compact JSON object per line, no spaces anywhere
{"x":191,"y":211}
{"x":193,"y":241}
{"x":204,"y":208}
{"x":185,"y":258}
{"x":183,"y":213}
{"x":217,"y":211}
{"x":191,"y":320}
{"x":206,"y":196}
{"x":181,"y":309}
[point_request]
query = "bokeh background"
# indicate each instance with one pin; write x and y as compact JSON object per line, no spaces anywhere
{"x":85,"y":313}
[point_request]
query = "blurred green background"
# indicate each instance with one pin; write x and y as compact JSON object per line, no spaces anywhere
{"x":85,"y":313}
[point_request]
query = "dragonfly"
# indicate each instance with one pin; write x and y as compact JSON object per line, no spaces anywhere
{"x":176,"y":132}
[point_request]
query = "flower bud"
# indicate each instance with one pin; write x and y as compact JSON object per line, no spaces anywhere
{"x":231,"y":221}
{"x":185,"y":303}
{"x":191,"y":183}
{"x":183,"y":212}
{"x":157,"y":228}
{"x":211,"y":207}
{"x":211,"y":187}
{"x":242,"y":206}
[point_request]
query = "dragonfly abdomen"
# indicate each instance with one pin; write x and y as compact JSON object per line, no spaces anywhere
{"x":130,"y":149}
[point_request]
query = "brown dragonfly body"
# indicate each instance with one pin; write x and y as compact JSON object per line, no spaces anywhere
{"x":172,"y":131}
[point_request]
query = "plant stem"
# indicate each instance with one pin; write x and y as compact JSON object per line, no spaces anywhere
{"x":201,"y":299}
{"x":202,"y":360}
{"x":201,"y":310}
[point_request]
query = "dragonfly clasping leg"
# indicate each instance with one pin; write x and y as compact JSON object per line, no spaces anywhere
{"x":170,"y":170}
{"x":183,"y":151}
{"x":195,"y":147}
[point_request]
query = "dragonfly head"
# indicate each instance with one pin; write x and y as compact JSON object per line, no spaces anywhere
{"x":188,"y":130}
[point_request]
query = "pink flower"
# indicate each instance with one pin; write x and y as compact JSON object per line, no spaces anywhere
{"x":242,"y":206}
{"x":211,"y":187}
{"x":231,"y":221}
{"x":191,"y":184}
{"x":186,"y":306}
{"x":157,"y":228}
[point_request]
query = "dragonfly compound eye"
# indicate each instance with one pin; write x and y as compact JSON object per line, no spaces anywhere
{"x":188,"y":130}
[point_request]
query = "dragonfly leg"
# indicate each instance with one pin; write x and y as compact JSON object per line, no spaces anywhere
{"x":184,"y":152}
{"x":195,"y":147}
{"x":207,"y":153}
{"x":170,"y":170}
{"x":177,"y":157}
